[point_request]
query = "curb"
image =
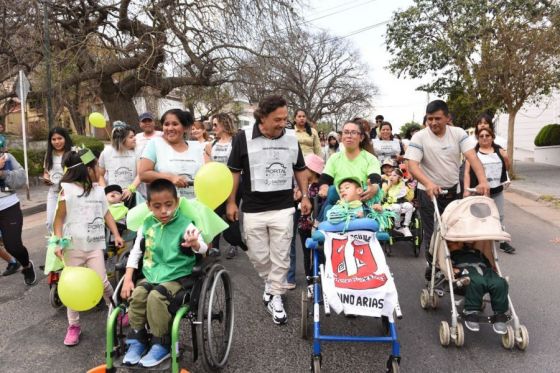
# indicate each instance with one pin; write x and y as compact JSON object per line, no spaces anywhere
{"x":34,"y":209}
{"x":524,"y":193}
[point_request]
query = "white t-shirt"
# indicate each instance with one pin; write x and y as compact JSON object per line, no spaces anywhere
{"x":85,"y":217}
{"x":120,"y":167}
{"x":385,"y":149}
{"x":220,"y":152}
{"x":142,"y":141}
{"x":185,"y":164}
{"x":56,"y":172}
{"x":439,"y":157}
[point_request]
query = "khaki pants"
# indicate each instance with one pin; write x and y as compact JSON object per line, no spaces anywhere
{"x":268,"y":235}
{"x":151,"y":307}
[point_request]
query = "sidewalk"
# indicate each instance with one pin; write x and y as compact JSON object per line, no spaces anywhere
{"x":38,"y":198}
{"x":535,"y":180}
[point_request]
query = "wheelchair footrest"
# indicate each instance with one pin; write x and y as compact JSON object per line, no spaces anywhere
{"x":163,"y":367}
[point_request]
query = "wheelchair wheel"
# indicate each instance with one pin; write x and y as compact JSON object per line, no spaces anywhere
{"x":54,"y":298}
{"x":216,"y":318}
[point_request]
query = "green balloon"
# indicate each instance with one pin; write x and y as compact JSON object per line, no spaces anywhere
{"x":80,"y":288}
{"x":135,"y":217}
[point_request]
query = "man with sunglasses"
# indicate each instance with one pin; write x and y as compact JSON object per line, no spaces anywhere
{"x":434,"y":159}
{"x":378,"y":121}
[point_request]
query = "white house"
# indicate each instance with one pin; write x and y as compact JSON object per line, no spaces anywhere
{"x":529,"y":121}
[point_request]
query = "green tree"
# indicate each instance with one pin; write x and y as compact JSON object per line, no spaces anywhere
{"x":405,"y":128}
{"x":501,"y":53}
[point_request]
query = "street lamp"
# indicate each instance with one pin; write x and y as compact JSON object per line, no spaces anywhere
{"x":47,"y":44}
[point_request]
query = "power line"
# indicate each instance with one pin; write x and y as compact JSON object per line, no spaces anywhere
{"x":355,"y":32}
{"x":336,"y":6}
{"x":338,"y":11}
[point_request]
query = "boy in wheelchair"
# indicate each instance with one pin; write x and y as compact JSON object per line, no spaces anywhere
{"x":474,"y":269}
{"x":349,"y":206}
{"x":171,"y":241}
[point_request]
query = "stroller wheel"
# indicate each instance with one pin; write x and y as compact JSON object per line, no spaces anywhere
{"x":523,"y":341}
{"x":508,"y":339}
{"x":434,"y":301}
{"x":54,"y":298}
{"x":424,"y":299}
{"x":444,"y":334}
{"x":459,"y":335}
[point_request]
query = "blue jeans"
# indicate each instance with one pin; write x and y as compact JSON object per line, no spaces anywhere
{"x":292,"y":271}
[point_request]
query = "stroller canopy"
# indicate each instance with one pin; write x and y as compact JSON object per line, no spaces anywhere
{"x":473,"y":219}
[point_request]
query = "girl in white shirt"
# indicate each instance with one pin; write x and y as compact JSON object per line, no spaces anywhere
{"x":59,"y":143}
{"x":79,"y":226}
{"x":117,"y":163}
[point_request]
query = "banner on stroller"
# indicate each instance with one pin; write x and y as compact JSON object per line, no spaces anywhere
{"x":357,"y":279}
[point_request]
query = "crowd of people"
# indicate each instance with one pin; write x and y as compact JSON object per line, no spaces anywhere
{"x":284,"y":179}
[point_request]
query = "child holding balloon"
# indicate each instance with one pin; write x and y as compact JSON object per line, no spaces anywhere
{"x":79,"y":227}
{"x":166,"y":243}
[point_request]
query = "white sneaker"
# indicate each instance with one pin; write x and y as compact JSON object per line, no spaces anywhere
{"x":276,"y":309}
{"x":267,"y":297}
{"x":405,"y":231}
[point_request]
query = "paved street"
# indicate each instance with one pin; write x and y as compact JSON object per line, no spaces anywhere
{"x":32,"y":332}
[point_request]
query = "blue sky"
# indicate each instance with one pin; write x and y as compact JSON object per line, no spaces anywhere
{"x":397,"y":99}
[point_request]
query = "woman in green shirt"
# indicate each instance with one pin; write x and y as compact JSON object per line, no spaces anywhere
{"x":356,"y":160}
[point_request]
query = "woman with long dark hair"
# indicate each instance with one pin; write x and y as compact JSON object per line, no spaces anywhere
{"x":171,"y":157}
{"x":58,"y":143}
{"x":307,"y":136}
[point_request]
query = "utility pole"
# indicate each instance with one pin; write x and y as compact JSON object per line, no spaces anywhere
{"x":47,"y":44}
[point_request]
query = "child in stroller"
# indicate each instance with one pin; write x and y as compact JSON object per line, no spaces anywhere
{"x":474,"y":269}
{"x":398,"y":197}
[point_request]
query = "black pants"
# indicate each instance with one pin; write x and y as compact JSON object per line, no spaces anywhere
{"x":11,"y":223}
{"x":308,"y":255}
{"x":427,"y":213}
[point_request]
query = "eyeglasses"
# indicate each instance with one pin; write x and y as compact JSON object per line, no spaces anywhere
{"x":351,"y":133}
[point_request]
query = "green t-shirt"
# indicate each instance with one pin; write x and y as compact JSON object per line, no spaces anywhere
{"x":339,"y":167}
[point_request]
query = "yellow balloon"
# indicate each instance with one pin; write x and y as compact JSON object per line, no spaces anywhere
{"x":213,"y":184}
{"x":80,"y":288}
{"x":97,"y":120}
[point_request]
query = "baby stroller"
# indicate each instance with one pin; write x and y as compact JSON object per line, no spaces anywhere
{"x":470,"y":219}
{"x":355,"y":280}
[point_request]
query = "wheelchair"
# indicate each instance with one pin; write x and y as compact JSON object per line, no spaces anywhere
{"x":415,"y":239}
{"x":202,"y":324}
{"x":310,"y":304}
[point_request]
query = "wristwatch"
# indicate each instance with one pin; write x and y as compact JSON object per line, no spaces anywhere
{"x":304,"y":195}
